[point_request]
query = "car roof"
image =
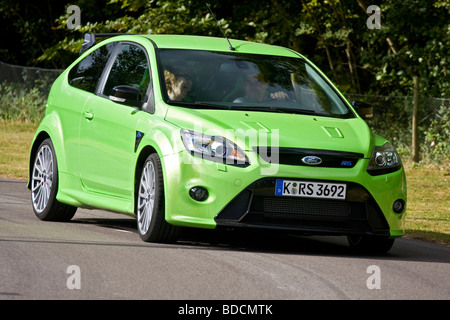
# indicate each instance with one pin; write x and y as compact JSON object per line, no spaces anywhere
{"x":171,"y":41}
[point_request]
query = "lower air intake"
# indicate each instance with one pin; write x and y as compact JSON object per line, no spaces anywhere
{"x":257,"y":206}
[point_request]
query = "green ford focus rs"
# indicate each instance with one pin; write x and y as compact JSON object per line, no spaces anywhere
{"x":187,"y":131}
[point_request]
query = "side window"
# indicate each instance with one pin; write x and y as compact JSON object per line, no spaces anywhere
{"x":86,"y":74}
{"x":131,"y":69}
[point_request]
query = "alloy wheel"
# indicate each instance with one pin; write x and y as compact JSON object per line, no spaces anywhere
{"x":42,"y":178}
{"x":146,"y":198}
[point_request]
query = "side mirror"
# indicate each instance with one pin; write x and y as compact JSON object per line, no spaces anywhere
{"x":364,"y":109}
{"x":127,"y":95}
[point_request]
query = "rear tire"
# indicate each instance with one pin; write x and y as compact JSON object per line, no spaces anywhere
{"x":150,"y":210}
{"x":44,"y":186}
{"x":370,"y":244}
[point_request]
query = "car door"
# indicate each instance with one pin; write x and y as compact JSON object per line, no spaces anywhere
{"x":83,"y":80}
{"x":108,"y":130}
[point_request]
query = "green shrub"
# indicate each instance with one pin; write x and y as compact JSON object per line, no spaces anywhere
{"x":17,"y":102}
{"x":437,"y":137}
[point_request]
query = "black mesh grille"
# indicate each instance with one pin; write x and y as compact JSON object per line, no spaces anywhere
{"x":305,"y":206}
{"x":237,"y":208}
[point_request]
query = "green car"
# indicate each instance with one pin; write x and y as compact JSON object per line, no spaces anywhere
{"x":188,"y":131}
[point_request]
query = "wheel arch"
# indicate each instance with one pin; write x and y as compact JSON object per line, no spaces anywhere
{"x":162,"y":231}
{"x":41,"y":136}
{"x":143,"y":154}
{"x":50,"y":127}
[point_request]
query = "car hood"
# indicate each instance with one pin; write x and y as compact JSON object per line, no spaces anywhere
{"x":260,"y":129}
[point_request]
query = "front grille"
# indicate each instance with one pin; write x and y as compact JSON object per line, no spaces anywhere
{"x":257,"y":206}
{"x":294,"y":156}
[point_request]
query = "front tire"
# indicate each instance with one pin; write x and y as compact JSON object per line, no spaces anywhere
{"x":150,"y":209}
{"x":44,"y":186}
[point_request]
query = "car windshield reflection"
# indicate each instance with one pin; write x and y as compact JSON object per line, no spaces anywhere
{"x":253,"y":82}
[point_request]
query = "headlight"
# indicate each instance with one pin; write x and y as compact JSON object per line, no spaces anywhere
{"x":213,"y":148}
{"x":384,"y":159}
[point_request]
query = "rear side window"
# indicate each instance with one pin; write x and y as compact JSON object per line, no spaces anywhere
{"x":86,"y":74}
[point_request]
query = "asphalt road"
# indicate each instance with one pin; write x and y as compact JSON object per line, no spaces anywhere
{"x":99,"y":255}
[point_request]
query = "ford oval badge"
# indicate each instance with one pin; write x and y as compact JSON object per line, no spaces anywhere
{"x":312,"y":160}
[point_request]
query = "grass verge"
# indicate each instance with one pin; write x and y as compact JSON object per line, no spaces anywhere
{"x":428,"y":211}
{"x":15,"y":143}
{"x":428,"y":208}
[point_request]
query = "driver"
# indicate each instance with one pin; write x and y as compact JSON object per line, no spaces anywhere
{"x":178,"y":83}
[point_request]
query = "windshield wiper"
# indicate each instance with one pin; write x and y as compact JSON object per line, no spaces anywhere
{"x":303,"y":111}
{"x":278,"y":109}
{"x":308,"y":111}
{"x":258,"y":108}
{"x":212,"y":105}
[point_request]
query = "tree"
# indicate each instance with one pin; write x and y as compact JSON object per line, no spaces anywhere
{"x":413,"y":40}
{"x":24,"y":26}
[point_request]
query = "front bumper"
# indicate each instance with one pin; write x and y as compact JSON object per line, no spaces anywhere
{"x":245,"y":197}
{"x":257,"y":207}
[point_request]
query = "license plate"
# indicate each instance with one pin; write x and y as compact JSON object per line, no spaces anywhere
{"x":309,"y":189}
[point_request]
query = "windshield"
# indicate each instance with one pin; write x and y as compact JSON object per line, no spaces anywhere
{"x":237,"y":81}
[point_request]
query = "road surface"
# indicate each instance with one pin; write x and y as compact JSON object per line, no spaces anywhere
{"x":99,"y":255}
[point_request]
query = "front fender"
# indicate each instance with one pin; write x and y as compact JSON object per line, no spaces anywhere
{"x":50,"y":127}
{"x":162,"y":138}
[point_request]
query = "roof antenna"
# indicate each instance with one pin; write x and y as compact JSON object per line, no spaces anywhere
{"x":231,"y":47}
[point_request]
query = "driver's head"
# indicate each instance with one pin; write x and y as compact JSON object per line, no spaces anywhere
{"x":178,"y":82}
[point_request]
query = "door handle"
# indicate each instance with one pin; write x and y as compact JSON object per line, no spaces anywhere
{"x":88,"y":115}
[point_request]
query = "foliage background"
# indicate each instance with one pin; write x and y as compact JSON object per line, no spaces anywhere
{"x":414,"y":40}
